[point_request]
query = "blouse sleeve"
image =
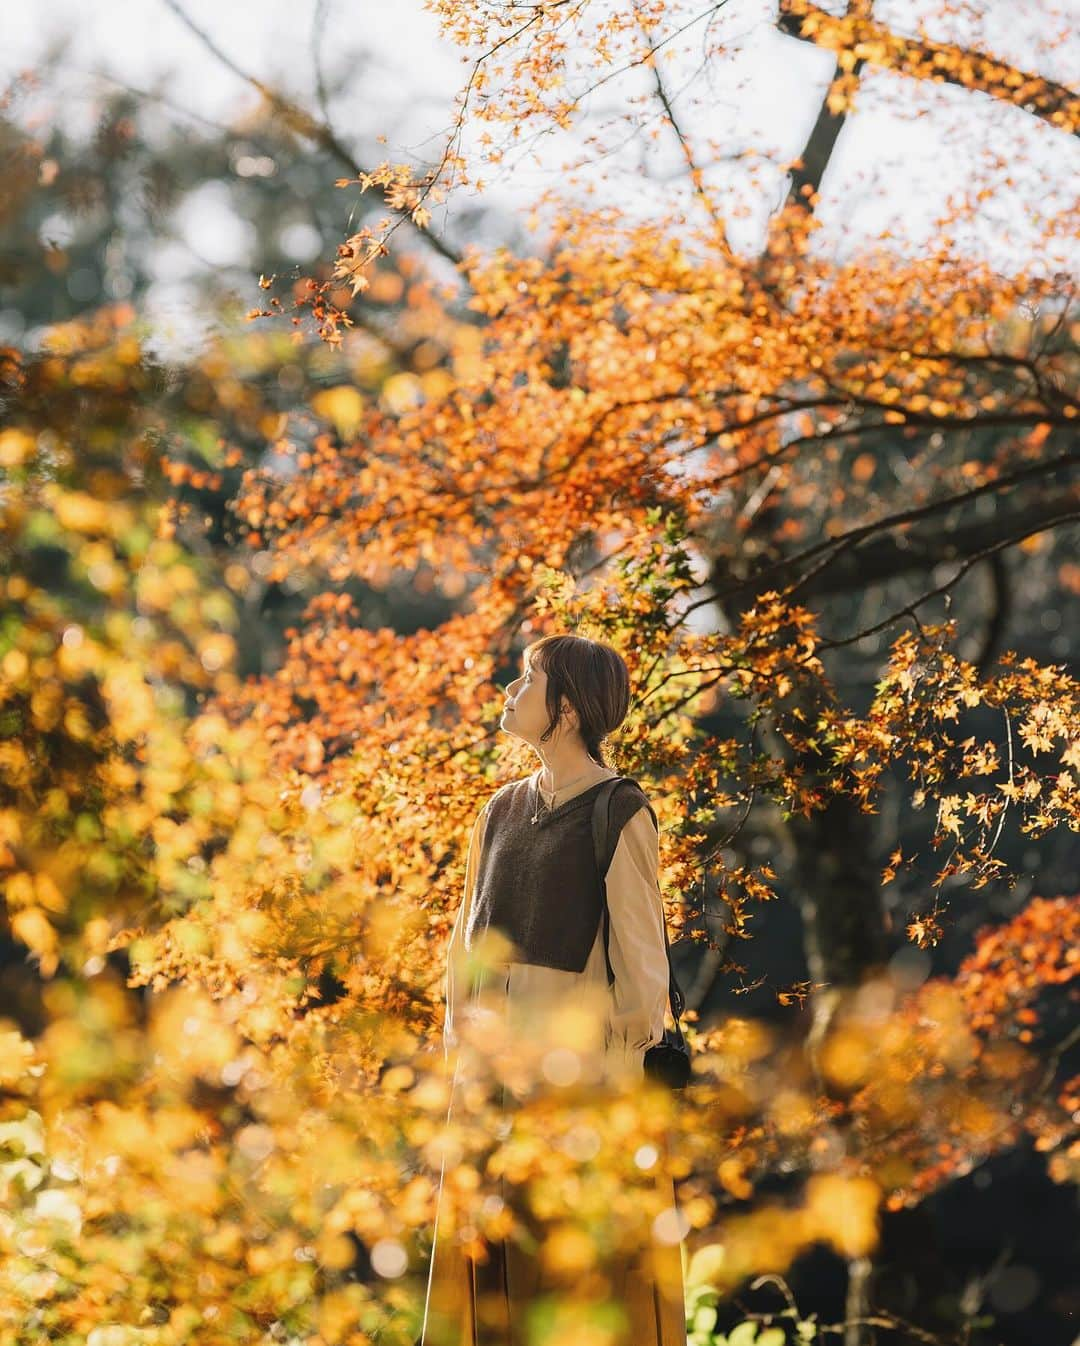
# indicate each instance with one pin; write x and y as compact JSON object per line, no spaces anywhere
{"x":636,"y":942}
{"x":455,"y":949}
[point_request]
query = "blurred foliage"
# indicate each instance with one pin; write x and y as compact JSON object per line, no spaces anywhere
{"x":230,"y":864}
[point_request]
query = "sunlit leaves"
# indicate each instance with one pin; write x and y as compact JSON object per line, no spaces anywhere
{"x":629,"y":420}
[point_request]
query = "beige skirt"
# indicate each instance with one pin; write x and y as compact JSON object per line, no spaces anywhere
{"x":499,"y":1293}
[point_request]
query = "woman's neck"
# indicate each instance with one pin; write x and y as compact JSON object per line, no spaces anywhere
{"x":554,"y":777}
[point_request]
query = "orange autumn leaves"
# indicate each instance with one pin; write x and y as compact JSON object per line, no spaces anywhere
{"x":586,"y":438}
{"x":343,"y":863}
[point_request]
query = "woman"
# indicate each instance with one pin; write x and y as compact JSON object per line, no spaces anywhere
{"x":532,"y":892}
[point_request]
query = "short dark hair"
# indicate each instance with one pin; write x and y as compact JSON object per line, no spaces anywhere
{"x":593,"y":677}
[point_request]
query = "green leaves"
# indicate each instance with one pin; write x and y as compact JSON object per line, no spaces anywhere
{"x":701,"y":1321}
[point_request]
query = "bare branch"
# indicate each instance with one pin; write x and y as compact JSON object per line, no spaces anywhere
{"x":303,"y":123}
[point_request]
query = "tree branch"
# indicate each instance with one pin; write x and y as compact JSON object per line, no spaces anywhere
{"x":865,"y":39}
{"x":304,"y":124}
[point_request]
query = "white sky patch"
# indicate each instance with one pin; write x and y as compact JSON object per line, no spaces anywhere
{"x":212,"y":229}
{"x":906,"y":151}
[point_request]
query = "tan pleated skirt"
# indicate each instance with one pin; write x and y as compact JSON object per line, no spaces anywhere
{"x":504,"y":1295}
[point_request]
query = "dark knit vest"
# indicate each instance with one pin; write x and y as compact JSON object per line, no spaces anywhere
{"x":537,"y":883}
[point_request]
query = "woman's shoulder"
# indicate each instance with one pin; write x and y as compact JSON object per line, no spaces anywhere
{"x":504,"y":791}
{"x":630,"y":787}
{"x":630,"y":801}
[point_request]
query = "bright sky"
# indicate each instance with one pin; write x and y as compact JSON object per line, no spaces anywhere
{"x":900,"y":157}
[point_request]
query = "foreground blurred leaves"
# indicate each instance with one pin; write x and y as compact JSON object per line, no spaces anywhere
{"x":224,"y":1097}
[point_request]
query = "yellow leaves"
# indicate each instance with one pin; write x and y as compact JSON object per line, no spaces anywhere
{"x":402,"y":391}
{"x":19,"y":1062}
{"x":397,"y":1079}
{"x":847,"y":1056}
{"x":841,"y":95}
{"x":80,"y":512}
{"x":1041,"y":727}
{"x":58,"y":1212}
{"x":837,"y":1209}
{"x":342,"y":405}
{"x":16,"y":447}
{"x":873,"y":51}
{"x":216,"y":651}
{"x":340,"y":1313}
{"x":16,"y":769}
{"x":924,"y":931}
{"x":35,"y":890}
{"x":793,"y":1112}
{"x":737,"y":1043}
{"x":843,"y":1212}
{"x":269,"y":884}
{"x":19,"y":891}
{"x":190,"y":1034}
{"x":982,"y":808}
{"x":568,"y":1251}
{"x":130,"y":702}
{"x":431,"y":1094}
{"x":32,"y":927}
{"x":731,"y":1174}
{"x":242,"y":936}
{"x":949,"y":809}
{"x":158,"y":585}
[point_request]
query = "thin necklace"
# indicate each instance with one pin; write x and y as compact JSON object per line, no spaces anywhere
{"x":540,"y":798}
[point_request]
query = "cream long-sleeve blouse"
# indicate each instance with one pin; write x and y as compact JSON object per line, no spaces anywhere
{"x":632,"y":1008}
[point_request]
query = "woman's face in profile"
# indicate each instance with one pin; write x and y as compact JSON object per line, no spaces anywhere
{"x":525,"y":712}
